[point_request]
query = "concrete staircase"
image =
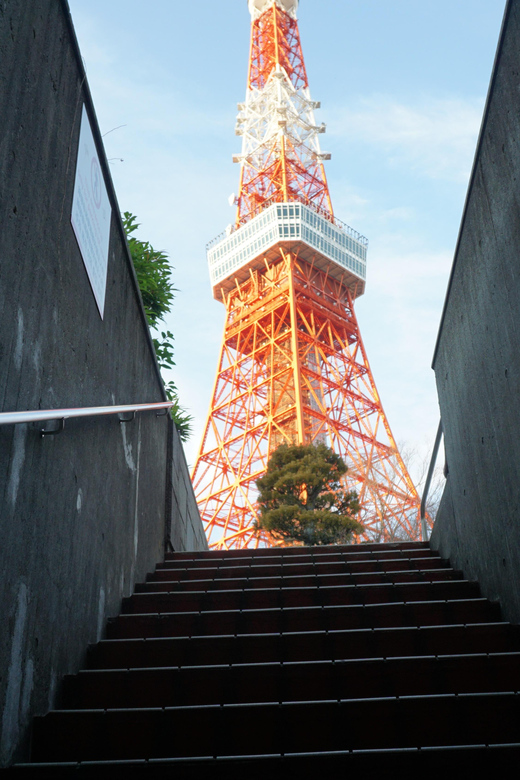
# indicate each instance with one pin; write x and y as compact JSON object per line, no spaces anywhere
{"x":291,"y":662}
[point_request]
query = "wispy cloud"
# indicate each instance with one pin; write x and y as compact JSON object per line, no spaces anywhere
{"x":434,"y":137}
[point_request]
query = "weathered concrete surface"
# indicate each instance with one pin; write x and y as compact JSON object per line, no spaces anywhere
{"x":477,"y":360}
{"x":82,"y":514}
{"x":185,"y":529}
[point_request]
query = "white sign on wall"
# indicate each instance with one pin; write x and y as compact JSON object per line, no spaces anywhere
{"x":91,"y":213}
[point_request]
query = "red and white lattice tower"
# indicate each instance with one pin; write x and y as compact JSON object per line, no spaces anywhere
{"x":292,"y":366}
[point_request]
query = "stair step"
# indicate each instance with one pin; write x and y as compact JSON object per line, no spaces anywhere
{"x":297,"y":681}
{"x":350,"y":556}
{"x":308,"y":552}
{"x":330,"y":618}
{"x":284,"y":598}
{"x":462,"y":760}
{"x":291,"y":568}
{"x":291,"y":662}
{"x":311,"y":646}
{"x":160,"y":581}
{"x":80,"y":735}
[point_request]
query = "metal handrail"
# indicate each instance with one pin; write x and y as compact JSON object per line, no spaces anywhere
{"x":424,"y":527}
{"x":41,"y":415}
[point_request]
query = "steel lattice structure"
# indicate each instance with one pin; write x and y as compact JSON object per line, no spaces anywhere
{"x":281,"y":158}
{"x":292,"y":366}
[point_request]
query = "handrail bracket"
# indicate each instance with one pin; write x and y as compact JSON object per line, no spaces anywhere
{"x":126,"y":418}
{"x":53,"y":431}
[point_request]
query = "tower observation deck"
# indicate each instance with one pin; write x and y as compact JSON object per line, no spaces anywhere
{"x":292,"y":365}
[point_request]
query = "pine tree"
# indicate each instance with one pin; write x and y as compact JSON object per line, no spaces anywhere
{"x":301,"y":497}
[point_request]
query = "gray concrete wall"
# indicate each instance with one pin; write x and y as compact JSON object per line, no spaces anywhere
{"x":86,"y":513}
{"x":185,"y":529}
{"x":477,"y":360}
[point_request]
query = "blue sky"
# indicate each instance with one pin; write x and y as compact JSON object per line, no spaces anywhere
{"x":402,"y":85}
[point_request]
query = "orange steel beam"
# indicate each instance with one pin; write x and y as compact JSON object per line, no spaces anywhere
{"x":279,"y":170}
{"x":275,"y":40}
{"x":295,"y":370}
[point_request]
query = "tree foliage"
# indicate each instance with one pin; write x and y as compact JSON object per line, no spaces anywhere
{"x":301,"y":498}
{"x":154,"y":273}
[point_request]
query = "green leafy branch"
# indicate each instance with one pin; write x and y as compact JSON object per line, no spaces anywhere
{"x":154,"y":273}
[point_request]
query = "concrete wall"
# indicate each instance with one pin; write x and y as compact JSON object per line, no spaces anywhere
{"x":86,"y":513}
{"x":477,"y":360}
{"x":185,"y":531}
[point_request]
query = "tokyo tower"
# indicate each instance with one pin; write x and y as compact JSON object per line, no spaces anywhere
{"x":292,"y":366}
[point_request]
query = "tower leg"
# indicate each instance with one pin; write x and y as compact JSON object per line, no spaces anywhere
{"x":293,"y":368}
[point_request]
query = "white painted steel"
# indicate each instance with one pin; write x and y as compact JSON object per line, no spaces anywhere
{"x":340,"y":248}
{"x":41,"y":415}
{"x":257,"y":7}
{"x":278,"y":111}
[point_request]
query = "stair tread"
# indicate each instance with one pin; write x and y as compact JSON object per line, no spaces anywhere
{"x":476,"y":599}
{"x":336,"y":661}
{"x":299,"y":582}
{"x":348,"y":588}
{"x":512,"y":693}
{"x":295,"y":551}
{"x":301,"y":597}
{"x":312,"y":645}
{"x":301,"y":619}
{"x":162,"y":575}
{"x":229,"y":729}
{"x":252,"y":563}
{"x":293,"y":680}
{"x":482,"y":759}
